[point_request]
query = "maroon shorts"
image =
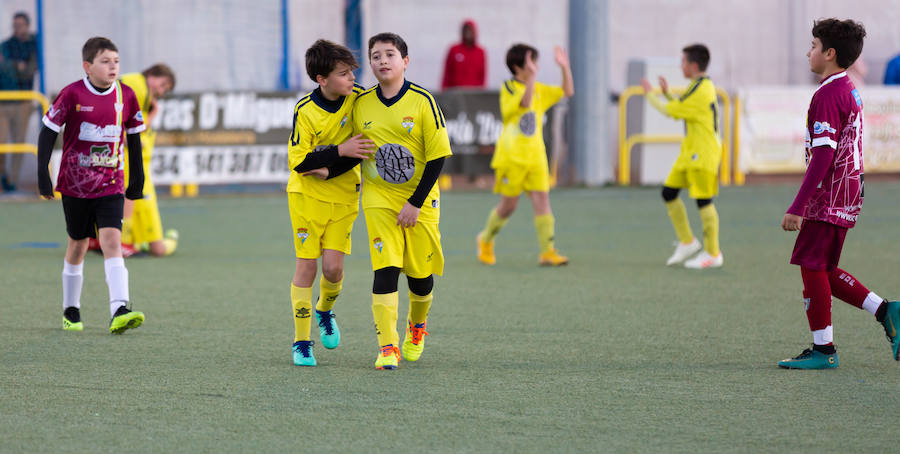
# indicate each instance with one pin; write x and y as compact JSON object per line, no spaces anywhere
{"x":818,"y":245}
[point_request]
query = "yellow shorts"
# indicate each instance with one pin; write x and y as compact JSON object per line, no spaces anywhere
{"x":146,"y":225}
{"x":320,"y":225}
{"x":415,"y":250}
{"x":513,"y":180}
{"x":701,"y":183}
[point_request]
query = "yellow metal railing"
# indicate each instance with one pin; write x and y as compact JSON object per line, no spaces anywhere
{"x":22,"y":96}
{"x":626,"y":143}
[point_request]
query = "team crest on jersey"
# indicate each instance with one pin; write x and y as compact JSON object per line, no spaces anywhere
{"x":822,"y":126}
{"x":344,"y":121}
{"x":408,"y":124}
{"x":378,"y":244}
{"x":302,"y":234}
{"x":119,"y":106}
{"x":140,"y":116}
{"x":857,"y":97}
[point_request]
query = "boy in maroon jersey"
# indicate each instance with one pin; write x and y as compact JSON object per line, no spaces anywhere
{"x":97,"y":111}
{"x":831,"y":195}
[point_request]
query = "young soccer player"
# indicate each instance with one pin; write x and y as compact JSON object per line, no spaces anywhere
{"x":696,"y":167}
{"x":831,"y":196}
{"x":323,"y":191}
{"x":142,"y":227}
{"x":399,"y":198}
{"x":98,"y":112}
{"x":520,"y":157}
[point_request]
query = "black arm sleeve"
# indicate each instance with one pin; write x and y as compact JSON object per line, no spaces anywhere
{"x":429,"y":178}
{"x":342,"y":166}
{"x":135,"y":189}
{"x":316,"y":159}
{"x":45,"y":148}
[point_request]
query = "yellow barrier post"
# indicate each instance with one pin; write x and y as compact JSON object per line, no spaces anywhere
{"x":19,"y":95}
{"x":739,"y":177}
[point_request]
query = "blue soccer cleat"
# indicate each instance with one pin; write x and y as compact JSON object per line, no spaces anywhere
{"x":329,"y":333}
{"x":303,"y":355}
{"x":810,"y":359}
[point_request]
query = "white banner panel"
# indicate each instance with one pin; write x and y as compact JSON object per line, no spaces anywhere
{"x":220,"y":164}
{"x":773,"y":122}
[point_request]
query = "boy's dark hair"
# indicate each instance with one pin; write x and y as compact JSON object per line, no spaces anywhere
{"x":160,"y":70}
{"x":392,"y":38}
{"x":699,"y":54}
{"x":515,"y":56}
{"x":324,"y":55}
{"x":94,"y":46}
{"x":844,"y":36}
{"x":22,"y":15}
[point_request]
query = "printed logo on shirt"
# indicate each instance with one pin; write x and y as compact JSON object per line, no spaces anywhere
{"x":820,"y":127}
{"x":395,"y":163}
{"x":139,"y":116}
{"x":302,"y":235}
{"x":344,"y":121}
{"x":434,"y":203}
{"x":80,"y":108}
{"x":378,"y":244}
{"x":93,"y":133}
{"x":857,"y":97}
{"x":119,"y":106}
{"x":100,"y":156}
{"x":52,"y":111}
{"x":367,"y":125}
{"x":528,"y":123}
{"x":408,"y":124}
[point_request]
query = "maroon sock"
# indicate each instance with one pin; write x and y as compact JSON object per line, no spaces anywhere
{"x":847,"y":288}
{"x":817,"y":296}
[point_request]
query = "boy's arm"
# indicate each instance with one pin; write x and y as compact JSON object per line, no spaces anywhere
{"x":356,"y":147}
{"x":135,"y":189}
{"x":562,"y":59}
{"x":342,"y":166}
{"x":46,"y":139}
{"x":819,"y":162}
{"x":429,"y":178}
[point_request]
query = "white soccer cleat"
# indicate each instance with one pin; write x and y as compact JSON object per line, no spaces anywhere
{"x":703,"y":261}
{"x":683,"y":252}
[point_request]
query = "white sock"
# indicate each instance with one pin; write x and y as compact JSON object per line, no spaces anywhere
{"x":872,"y":303}
{"x":72,"y":278}
{"x":117,"y":281}
{"x":823,"y":336}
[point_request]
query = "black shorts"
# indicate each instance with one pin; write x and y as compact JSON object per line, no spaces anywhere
{"x":85,"y":216}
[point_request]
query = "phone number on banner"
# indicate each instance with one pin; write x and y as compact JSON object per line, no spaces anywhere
{"x":220,"y":164}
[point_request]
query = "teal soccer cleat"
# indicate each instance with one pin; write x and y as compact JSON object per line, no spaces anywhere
{"x":891,"y":324}
{"x":303,"y":355}
{"x":810,"y":359}
{"x":328,"y":329}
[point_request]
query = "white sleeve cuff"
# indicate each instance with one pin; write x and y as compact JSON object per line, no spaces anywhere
{"x":819,"y":141}
{"x":136,"y":129}
{"x":53,"y":126}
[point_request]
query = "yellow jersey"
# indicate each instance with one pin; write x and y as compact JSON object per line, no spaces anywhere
{"x":408,"y":131}
{"x":699,"y":108}
{"x":138,"y":83}
{"x":522,"y":140}
{"x":319,"y":123}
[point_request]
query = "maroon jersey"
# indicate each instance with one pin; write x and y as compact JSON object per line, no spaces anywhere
{"x":834,"y":120}
{"x":96,"y":124}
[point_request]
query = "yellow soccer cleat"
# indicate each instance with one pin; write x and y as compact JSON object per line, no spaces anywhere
{"x":124,"y":320}
{"x":388,"y":358}
{"x":414,"y":343}
{"x":552,"y":258}
{"x":485,"y":251}
{"x":72,"y":319}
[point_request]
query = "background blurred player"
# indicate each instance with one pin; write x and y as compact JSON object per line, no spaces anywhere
{"x":400,"y":199}
{"x":98,"y":112}
{"x":520,"y":158}
{"x":323,"y":190}
{"x":141,"y":226}
{"x":831,"y":195}
{"x":697,"y":166}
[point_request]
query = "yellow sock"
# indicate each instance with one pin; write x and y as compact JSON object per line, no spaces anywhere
{"x":301,"y":299}
{"x":710,"y":218}
{"x":544,"y":226}
{"x":127,"y":236}
{"x":171,"y":245}
{"x":493,"y":226}
{"x":328,"y":293}
{"x":419,"y":306}
{"x":384,"y":310}
{"x":678,"y":215}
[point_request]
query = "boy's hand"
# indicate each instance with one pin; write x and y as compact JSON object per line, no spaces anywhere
{"x":320,"y":173}
{"x":357,"y":147}
{"x":647,"y":87}
{"x":664,"y":85}
{"x":561,"y":57}
{"x":529,"y":71}
{"x":408,"y":215}
{"x":791,"y":222}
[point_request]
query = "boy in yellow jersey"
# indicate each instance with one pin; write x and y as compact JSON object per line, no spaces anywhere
{"x":520,"y":158}
{"x":141,"y":224}
{"x":323,"y":191}
{"x":696,"y":167}
{"x":400,"y":199}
